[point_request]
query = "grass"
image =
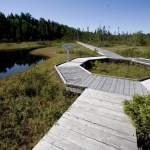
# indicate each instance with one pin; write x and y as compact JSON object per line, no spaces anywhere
{"x":33,"y":100}
{"x":24,"y":45}
{"x":130,"y":51}
{"x":138,"y":109}
{"x":120,"y":69}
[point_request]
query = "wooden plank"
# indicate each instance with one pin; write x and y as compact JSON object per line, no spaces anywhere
{"x":74,"y":77}
{"x":106,"y":98}
{"x":119,"y":87}
{"x":127,"y":136}
{"x":107,"y":84}
{"x":99,"y":93}
{"x":127,"y":87}
{"x":131,"y":88}
{"x":74,"y":73}
{"x":90,"y":81}
{"x":73,"y":80}
{"x":102,"y":103}
{"x":44,"y":145}
{"x":113,"y":86}
{"x":60,"y":142}
{"x":97,"y":135}
{"x":101,"y":83}
{"x":138,"y":88}
{"x":145,"y":91}
{"x":79,"y":139}
{"x":86,"y":80}
{"x":102,"y":121}
{"x":94,"y":81}
{"x":101,"y":111}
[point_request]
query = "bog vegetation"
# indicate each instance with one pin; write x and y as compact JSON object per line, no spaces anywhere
{"x":138,"y":109}
{"x":126,"y":69}
{"x":33,"y":100}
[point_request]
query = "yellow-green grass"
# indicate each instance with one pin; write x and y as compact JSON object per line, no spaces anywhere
{"x":121,"y":69}
{"x":130,"y":51}
{"x":24,"y":45}
{"x":33,"y":100}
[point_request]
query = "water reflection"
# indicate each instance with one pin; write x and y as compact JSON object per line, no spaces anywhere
{"x":11,"y":62}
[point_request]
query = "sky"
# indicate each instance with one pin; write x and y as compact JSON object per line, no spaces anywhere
{"x":129,"y":15}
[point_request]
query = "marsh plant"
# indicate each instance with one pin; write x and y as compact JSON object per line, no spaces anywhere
{"x":29,"y":105}
{"x":138,"y":109}
{"x":126,"y":69}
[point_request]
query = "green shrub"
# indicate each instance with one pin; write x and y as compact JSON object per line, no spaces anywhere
{"x":29,"y":106}
{"x":139,"y":110}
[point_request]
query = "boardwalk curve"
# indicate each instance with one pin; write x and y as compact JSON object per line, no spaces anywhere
{"x":96,"y":119}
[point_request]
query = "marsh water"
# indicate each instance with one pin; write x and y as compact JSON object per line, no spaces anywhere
{"x":13,"y":61}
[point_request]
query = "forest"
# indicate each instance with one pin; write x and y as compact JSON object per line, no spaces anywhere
{"x":24,"y":27}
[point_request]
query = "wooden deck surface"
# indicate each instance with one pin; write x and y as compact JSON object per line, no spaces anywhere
{"x":76,"y":75}
{"x":102,"y":51}
{"x":96,"y":120}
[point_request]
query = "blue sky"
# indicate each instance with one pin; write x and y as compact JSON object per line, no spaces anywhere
{"x":128,"y":15}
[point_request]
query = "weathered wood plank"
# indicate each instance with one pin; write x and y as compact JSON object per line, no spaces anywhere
{"x":86,"y":80}
{"x":119,"y":87}
{"x":100,"y":93}
{"x":101,"y":83}
{"x":60,"y":142}
{"x":138,"y":88}
{"x":145,"y":91}
{"x":113,"y":86}
{"x":97,"y":135}
{"x":107,"y":84}
{"x":44,"y":145}
{"x":101,"y":111}
{"x":127,"y":136}
{"x":102,"y":103}
{"x":127,"y":87}
{"x":108,"y":122}
{"x":122,"y":84}
{"x":79,"y":139}
{"x":131,"y":89}
{"x":101,"y":122}
{"x":95,"y":82}
{"x":106,"y":98}
{"x":90,"y":81}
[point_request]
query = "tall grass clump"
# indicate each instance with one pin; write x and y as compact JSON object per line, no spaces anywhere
{"x":126,"y":69}
{"x":29,"y":105}
{"x":139,"y":110}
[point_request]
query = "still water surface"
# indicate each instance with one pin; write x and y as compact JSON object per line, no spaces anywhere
{"x":11,"y":62}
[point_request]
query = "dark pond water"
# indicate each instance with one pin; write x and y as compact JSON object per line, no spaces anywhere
{"x":11,"y":62}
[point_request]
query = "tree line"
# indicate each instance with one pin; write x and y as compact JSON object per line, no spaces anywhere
{"x":24,"y":27}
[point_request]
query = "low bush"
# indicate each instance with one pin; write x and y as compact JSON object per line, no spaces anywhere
{"x":126,"y":69}
{"x":139,"y":110}
{"x":29,"y":105}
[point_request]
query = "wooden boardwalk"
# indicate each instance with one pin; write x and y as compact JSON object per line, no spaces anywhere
{"x":96,"y":119}
{"x":74,"y":74}
{"x":102,"y":51}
